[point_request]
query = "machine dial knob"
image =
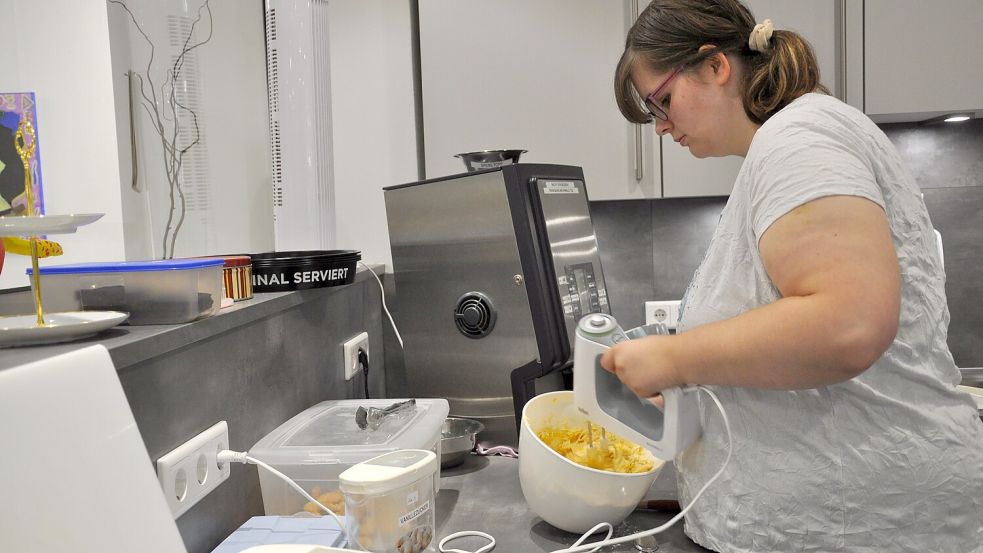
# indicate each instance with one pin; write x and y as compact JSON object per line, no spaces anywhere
{"x":471,"y":315}
{"x":597,"y":324}
{"x":597,"y":321}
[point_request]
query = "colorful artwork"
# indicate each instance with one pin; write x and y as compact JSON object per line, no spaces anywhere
{"x":15,"y":106}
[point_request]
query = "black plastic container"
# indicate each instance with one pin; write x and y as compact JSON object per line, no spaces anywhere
{"x":286,"y":271}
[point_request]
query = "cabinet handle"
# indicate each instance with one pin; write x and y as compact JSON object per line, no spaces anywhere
{"x":841,"y":40}
{"x":639,"y":162}
{"x":134,"y":160}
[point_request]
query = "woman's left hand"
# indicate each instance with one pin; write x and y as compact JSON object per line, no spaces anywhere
{"x":644,"y":365}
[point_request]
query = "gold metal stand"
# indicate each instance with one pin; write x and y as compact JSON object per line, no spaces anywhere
{"x":25,"y":151}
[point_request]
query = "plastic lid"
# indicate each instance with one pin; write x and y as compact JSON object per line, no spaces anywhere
{"x":388,"y":472}
{"x":131,"y":266}
{"x":327,"y":433}
{"x":305,"y":257}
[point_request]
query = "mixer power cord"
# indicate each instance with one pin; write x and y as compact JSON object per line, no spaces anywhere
{"x":229,"y":456}
{"x":577,"y":547}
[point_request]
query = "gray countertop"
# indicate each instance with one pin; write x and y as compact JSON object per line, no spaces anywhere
{"x":484,"y":494}
{"x":129,"y":345}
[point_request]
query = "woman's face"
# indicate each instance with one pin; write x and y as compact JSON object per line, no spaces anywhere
{"x":699,"y":104}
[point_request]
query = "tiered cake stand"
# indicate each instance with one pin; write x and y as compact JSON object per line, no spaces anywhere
{"x":41,"y":328}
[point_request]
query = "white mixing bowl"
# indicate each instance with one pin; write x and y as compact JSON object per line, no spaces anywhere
{"x":569,"y":496}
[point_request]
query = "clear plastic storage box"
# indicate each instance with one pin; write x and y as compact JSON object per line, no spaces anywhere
{"x":316,"y":446}
{"x":167,"y":291}
{"x":389,"y":501}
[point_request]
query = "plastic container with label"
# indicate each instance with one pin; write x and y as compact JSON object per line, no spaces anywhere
{"x":389,"y":502}
{"x":167,"y":291}
{"x":314,"y":447}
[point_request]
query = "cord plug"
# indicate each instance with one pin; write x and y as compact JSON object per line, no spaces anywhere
{"x":229,"y":456}
{"x":363,"y":359}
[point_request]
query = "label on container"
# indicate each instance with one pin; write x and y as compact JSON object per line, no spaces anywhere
{"x":559,"y":187}
{"x":300,"y":277}
{"x":415,"y":513}
{"x":488,"y":164}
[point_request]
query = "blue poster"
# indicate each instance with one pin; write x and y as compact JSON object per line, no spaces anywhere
{"x":15,"y":106}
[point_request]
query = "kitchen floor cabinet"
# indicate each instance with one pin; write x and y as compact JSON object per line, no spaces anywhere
{"x":536,"y":76}
{"x":922,"y":58}
{"x":684,"y":175}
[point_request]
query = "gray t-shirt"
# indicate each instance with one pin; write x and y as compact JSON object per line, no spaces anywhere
{"x":891,"y":460}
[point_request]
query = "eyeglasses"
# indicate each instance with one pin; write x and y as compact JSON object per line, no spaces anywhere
{"x":654,"y":106}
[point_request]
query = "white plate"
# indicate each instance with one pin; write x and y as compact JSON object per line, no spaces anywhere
{"x":22,"y":330}
{"x":14,"y":225}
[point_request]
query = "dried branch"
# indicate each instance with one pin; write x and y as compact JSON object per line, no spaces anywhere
{"x":164,"y":111}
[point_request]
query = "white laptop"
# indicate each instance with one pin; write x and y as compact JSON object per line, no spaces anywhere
{"x":74,"y":472}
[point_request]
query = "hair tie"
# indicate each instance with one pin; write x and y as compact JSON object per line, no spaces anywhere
{"x":760,"y":35}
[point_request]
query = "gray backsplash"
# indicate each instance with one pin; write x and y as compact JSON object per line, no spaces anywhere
{"x":650,"y":248}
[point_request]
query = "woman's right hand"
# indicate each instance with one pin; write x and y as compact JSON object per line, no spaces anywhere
{"x":645,"y":366}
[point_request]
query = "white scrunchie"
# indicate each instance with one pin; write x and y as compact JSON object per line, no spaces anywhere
{"x":760,"y":35}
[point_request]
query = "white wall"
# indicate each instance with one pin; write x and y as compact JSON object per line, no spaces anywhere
{"x":230,"y":211}
{"x":59,"y":49}
{"x":374,"y":125}
{"x":66,"y":61}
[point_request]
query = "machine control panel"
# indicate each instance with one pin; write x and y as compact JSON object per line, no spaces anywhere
{"x":573,"y":249}
{"x":580,"y":292}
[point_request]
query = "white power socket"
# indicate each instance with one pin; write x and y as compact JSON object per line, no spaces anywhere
{"x":662,"y":312}
{"x":190,"y":471}
{"x":350,"y":353}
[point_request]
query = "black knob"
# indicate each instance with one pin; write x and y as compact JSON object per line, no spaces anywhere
{"x":471,"y":315}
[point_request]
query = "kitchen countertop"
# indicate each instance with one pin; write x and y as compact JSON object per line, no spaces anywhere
{"x":484,"y":494}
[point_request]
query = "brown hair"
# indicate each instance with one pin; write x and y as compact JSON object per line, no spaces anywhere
{"x":669,"y":34}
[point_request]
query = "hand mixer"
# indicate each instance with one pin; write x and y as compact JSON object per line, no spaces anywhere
{"x":607,"y":402}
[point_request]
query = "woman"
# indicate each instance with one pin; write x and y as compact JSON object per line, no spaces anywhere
{"x":818,"y":314}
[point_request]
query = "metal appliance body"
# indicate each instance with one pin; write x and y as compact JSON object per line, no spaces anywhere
{"x":606,"y":401}
{"x":493,"y":269}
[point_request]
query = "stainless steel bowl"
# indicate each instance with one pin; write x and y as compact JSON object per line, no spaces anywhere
{"x":457,"y":439}
{"x":489,"y":159}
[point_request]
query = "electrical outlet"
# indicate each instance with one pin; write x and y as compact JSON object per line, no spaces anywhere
{"x":674,"y":314}
{"x":350,"y":353}
{"x":662,"y":312}
{"x":189,"y":472}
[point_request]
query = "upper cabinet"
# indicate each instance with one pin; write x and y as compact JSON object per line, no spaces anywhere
{"x":922,"y":59}
{"x":537,"y":76}
{"x":684,"y":175}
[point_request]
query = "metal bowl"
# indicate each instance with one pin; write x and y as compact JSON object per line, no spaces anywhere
{"x":457,"y":439}
{"x":489,"y":159}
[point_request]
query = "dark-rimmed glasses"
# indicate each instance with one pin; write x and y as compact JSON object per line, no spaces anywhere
{"x":653,"y":105}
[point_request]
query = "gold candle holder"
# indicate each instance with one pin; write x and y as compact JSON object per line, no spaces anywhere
{"x":26,"y":152}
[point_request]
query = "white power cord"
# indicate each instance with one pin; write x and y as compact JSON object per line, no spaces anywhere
{"x":467,"y":533}
{"x":382,"y":291}
{"x":593,"y":546}
{"x":229,"y":456}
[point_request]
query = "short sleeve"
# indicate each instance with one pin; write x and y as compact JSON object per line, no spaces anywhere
{"x":801,"y":161}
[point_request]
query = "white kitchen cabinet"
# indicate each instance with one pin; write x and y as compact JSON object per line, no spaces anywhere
{"x":922,"y":59}
{"x":536,"y":76}
{"x":684,"y":175}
